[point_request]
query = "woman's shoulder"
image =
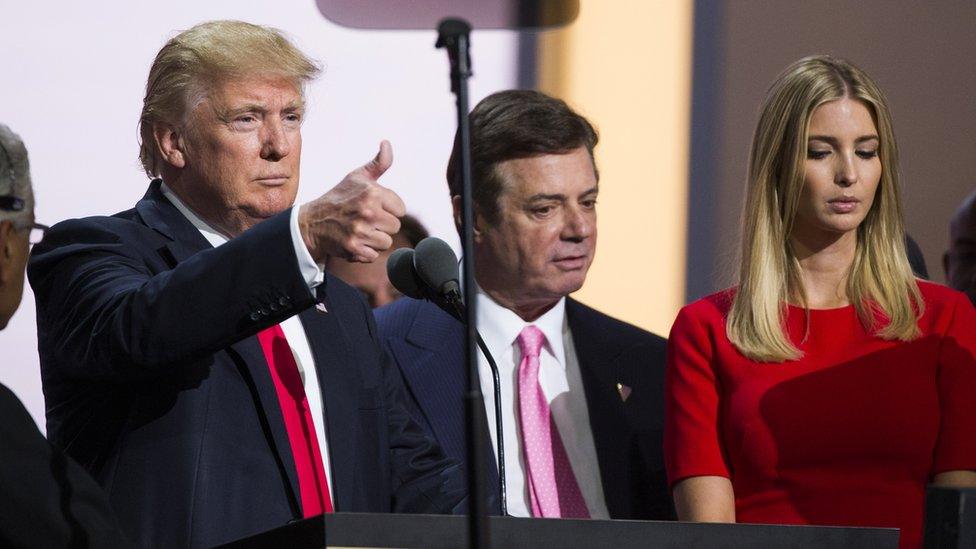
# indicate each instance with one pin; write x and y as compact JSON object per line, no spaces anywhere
{"x":714,"y":307}
{"x":939,"y":296}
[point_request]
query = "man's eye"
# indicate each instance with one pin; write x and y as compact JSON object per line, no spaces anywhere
{"x":244,"y":121}
{"x":544,"y":210}
{"x":589,"y":204}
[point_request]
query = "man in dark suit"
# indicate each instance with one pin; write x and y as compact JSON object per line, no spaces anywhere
{"x":195,"y":357}
{"x":581,"y":392}
{"x":48,"y":500}
{"x":959,"y":260}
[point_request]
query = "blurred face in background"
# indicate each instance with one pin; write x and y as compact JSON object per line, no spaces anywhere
{"x":369,"y":278}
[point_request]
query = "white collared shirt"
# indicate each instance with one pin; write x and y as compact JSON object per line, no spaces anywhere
{"x":292,"y":326}
{"x":559,"y":376}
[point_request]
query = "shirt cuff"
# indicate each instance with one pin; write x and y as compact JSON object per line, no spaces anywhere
{"x":312,"y":272}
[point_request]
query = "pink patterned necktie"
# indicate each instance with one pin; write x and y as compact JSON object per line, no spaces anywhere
{"x":553,"y":491}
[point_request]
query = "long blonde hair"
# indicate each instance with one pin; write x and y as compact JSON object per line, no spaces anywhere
{"x":880,"y":282}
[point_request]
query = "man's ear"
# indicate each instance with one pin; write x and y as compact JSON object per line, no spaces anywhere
{"x":478,"y":219}
{"x":170,"y":143}
{"x":7,"y":243}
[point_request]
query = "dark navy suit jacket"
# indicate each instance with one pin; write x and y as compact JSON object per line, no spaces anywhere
{"x":155,"y":383}
{"x":48,"y":501}
{"x":428,"y":347}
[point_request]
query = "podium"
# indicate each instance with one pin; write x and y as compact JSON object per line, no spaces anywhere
{"x":439,"y":531}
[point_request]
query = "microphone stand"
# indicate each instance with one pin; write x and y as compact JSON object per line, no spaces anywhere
{"x":453,"y":299}
{"x":454,"y":35}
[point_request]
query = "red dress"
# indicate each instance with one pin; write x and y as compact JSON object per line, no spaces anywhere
{"x":848,"y":435}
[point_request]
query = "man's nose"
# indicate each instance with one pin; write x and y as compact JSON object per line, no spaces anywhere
{"x":578,"y":224}
{"x":274,"y":142}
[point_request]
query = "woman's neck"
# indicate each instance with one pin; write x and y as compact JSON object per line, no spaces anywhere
{"x":825,"y":264}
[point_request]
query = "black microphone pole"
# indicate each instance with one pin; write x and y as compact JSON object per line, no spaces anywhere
{"x":433,"y":274}
{"x":454,"y":35}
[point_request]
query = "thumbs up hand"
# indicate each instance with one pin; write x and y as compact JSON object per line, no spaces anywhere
{"x":356,"y":219}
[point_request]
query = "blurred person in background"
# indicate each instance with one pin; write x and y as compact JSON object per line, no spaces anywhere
{"x":830,"y":386}
{"x":959,"y":261}
{"x":370,"y":278}
{"x":48,"y":499}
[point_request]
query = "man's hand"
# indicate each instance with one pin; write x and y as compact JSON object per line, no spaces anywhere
{"x":356,"y":219}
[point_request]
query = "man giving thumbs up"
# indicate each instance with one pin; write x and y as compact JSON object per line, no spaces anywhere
{"x":196,"y":358}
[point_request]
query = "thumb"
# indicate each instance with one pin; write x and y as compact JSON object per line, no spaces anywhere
{"x":381,"y":162}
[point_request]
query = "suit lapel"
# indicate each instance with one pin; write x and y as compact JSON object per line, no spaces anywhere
{"x":340,"y":387}
{"x":262,"y":386}
{"x":432,"y":360}
{"x":185,"y":241}
{"x":607,"y":421}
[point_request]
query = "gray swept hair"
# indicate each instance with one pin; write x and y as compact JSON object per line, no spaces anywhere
{"x":15,"y":179}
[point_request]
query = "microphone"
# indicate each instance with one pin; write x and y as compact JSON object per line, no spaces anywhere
{"x":438,"y":267}
{"x":435,"y":268}
{"x":403,"y":275}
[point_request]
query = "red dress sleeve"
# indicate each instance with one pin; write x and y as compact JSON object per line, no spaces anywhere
{"x":956,"y":446}
{"x":691,"y":433}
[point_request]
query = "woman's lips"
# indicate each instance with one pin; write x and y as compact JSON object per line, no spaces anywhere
{"x":843,"y":205}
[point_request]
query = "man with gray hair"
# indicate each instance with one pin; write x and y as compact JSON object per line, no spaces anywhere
{"x":48,"y":499}
{"x":195,"y":356}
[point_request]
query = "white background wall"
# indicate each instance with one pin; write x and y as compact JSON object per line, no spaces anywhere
{"x":72,"y":78}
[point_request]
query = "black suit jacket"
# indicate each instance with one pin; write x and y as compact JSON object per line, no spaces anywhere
{"x":428,"y":347}
{"x":154,"y":382}
{"x":48,"y":500}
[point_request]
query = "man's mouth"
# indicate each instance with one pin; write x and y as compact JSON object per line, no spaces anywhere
{"x":273,"y":180}
{"x":570,"y":262}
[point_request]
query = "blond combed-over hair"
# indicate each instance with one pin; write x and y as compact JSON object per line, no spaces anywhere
{"x":193,"y":62}
{"x":880,"y":283}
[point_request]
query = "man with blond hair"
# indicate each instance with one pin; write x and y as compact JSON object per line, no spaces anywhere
{"x":195,"y":356}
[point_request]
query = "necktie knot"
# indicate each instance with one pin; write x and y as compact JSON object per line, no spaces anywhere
{"x":530,"y":341}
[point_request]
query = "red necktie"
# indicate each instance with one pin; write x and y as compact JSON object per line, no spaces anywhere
{"x":312,"y":482}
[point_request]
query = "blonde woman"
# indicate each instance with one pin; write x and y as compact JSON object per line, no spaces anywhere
{"x":830,"y":385}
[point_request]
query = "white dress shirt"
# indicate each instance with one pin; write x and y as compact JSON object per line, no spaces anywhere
{"x":292,"y":327}
{"x":559,"y":376}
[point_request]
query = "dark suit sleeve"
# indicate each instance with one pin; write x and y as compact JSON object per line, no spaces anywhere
{"x":424,"y":480}
{"x":112,"y":308}
{"x":48,"y":500}
{"x":961,"y":265}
